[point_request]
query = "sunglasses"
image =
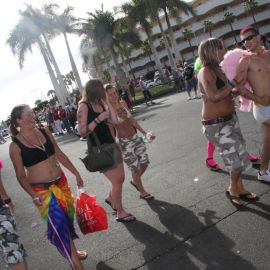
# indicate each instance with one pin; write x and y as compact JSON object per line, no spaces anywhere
{"x":248,"y":38}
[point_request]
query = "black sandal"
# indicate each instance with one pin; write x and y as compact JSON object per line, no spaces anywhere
{"x":235,"y":200}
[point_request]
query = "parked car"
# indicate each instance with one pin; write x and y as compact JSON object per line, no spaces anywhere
{"x":4,"y":132}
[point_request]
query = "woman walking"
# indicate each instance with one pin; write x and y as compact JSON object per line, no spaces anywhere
{"x":220,"y":122}
{"x":36,"y":159}
{"x":94,"y":114}
{"x":132,"y":146}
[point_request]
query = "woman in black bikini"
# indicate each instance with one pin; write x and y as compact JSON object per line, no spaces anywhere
{"x":220,"y":122}
{"x":94,"y":113}
{"x":36,"y":158}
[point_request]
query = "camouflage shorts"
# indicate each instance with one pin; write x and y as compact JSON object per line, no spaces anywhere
{"x":229,"y":142}
{"x":134,"y":152}
{"x":13,"y":251}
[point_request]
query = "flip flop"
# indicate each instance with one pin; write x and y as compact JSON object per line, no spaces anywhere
{"x":82,"y":254}
{"x":126,"y":219}
{"x":147,"y":197}
{"x":110,"y":204}
{"x":249,"y":196}
{"x":235,"y":200}
{"x":213,"y":167}
{"x":134,"y":185}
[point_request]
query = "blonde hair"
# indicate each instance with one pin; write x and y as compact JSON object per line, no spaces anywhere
{"x":15,"y":114}
{"x":208,"y":52}
{"x":93,"y":91}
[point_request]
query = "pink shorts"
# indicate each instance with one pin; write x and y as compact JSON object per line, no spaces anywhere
{"x":1,"y":164}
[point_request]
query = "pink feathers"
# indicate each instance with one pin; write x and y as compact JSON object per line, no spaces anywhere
{"x":229,"y":66}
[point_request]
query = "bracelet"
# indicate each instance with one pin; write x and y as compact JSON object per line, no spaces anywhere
{"x":7,"y":201}
{"x":36,"y":199}
{"x":96,"y":121}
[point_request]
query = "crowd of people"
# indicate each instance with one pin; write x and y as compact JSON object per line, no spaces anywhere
{"x":103,"y":116}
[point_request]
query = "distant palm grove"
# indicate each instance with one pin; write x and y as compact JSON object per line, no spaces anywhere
{"x":139,"y":35}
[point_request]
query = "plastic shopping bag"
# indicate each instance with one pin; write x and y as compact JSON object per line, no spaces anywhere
{"x":90,"y":216}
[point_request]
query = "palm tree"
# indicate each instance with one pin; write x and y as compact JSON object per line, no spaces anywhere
{"x":208,"y":27}
{"x":187,"y":33}
{"x":250,"y":6}
{"x":100,"y":27}
{"x":23,"y":37}
{"x":65,"y":23}
{"x":51,"y":94}
{"x":145,"y":47}
{"x":228,"y":17}
{"x":172,"y":8}
{"x":154,"y":14}
{"x":136,"y":12}
{"x":125,"y":39}
{"x":44,"y":24}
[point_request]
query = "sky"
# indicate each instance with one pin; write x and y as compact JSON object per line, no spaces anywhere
{"x":32,"y":82}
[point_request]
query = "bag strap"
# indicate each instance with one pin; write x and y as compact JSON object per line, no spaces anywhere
{"x":96,"y":139}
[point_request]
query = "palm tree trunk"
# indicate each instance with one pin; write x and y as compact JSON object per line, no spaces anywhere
{"x":130,"y":68}
{"x":233,"y":33}
{"x":154,"y":51}
{"x":106,"y":61}
{"x":177,"y":53}
{"x":73,"y":65}
{"x":172,"y":63}
{"x":57,"y":70}
{"x":192,"y":49}
{"x":124,"y":65}
{"x":54,"y":81}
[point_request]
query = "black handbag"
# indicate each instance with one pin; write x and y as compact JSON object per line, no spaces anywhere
{"x":99,"y":157}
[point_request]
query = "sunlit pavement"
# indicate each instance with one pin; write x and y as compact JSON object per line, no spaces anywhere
{"x":191,"y":225}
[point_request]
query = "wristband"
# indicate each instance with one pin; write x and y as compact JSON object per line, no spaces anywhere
{"x":36,"y":199}
{"x":96,"y":121}
{"x":7,"y":201}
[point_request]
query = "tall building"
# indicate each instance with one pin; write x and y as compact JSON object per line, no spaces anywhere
{"x":210,"y":10}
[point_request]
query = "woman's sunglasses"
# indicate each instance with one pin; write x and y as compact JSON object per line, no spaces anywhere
{"x":248,"y":38}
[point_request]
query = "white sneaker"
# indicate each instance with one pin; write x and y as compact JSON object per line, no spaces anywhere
{"x":264,"y":176}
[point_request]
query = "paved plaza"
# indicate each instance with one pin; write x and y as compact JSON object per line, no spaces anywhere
{"x":190,"y":226}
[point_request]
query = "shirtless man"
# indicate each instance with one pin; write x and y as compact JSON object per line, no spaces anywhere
{"x":256,"y":69}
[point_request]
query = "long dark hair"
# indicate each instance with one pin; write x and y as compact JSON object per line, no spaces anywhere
{"x":93,"y":92}
{"x":15,"y":114}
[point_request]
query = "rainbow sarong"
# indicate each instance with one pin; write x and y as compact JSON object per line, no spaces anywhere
{"x":58,"y":213}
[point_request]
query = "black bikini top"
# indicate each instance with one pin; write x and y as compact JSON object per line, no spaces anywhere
{"x":33,"y":155}
{"x":220,"y":83}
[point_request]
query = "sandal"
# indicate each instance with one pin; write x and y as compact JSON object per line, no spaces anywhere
{"x":82,"y":254}
{"x":126,"y":219}
{"x":214,"y":166}
{"x":110,"y":204}
{"x":235,"y":200}
{"x":147,"y":197}
{"x":249,"y":196}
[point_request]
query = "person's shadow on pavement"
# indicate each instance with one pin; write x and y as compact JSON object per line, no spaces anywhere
{"x":186,"y":244}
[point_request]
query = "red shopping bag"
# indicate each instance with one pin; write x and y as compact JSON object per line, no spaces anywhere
{"x":90,"y":216}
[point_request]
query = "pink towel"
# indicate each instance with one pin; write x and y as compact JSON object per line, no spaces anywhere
{"x":229,"y":67}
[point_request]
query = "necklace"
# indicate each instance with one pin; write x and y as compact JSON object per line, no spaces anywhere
{"x":40,"y":147}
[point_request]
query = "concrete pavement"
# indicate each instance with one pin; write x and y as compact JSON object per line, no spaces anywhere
{"x":191,"y":225}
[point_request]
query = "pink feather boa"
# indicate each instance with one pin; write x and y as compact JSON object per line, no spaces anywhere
{"x":229,"y":66}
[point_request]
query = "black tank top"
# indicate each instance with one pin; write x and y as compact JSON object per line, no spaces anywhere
{"x":102,"y":129}
{"x":32,"y":156}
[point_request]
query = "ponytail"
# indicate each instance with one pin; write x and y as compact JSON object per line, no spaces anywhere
{"x":15,"y":114}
